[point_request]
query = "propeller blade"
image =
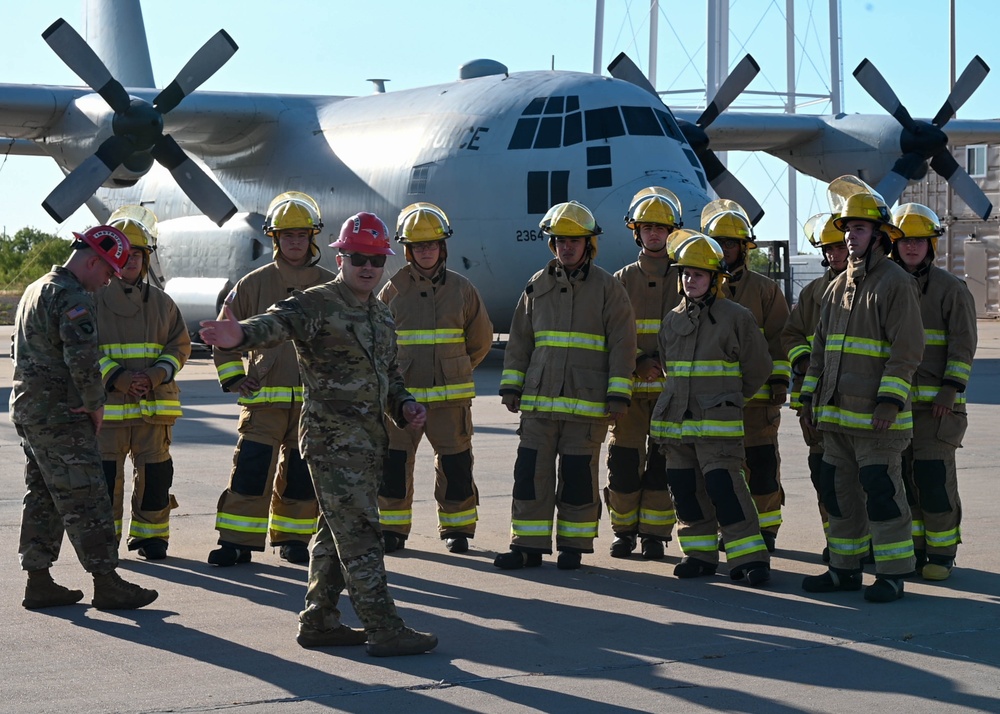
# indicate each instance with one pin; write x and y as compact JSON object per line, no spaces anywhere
{"x":205,"y":62}
{"x":623,"y":68}
{"x":728,"y":186}
{"x":874,"y":83}
{"x":79,"y":57}
{"x":958,"y":178}
{"x":966,"y":84}
{"x":738,"y":80}
{"x":199,"y":186}
{"x":81,"y":183}
{"x":903,"y":171}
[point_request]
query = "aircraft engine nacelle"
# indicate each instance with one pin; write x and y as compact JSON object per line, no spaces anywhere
{"x":198,"y":299}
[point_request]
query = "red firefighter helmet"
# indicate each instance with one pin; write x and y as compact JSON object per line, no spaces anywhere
{"x":363,"y":233}
{"x":109,"y":243}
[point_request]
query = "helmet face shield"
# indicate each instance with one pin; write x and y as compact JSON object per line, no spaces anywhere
{"x":422,"y":222}
{"x":292,"y":209}
{"x":854,"y":200}
{"x":820,"y":230}
{"x":139,"y":225}
{"x":723,"y":219}
{"x":654,"y":205}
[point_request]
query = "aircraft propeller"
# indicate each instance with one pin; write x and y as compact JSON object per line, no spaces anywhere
{"x":923,"y":141}
{"x":138,"y":137}
{"x":725,"y":184}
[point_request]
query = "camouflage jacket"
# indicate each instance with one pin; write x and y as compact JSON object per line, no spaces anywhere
{"x":55,"y":353}
{"x":347,"y":357}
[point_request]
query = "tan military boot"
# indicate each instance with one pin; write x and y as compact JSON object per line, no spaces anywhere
{"x":42,"y":591}
{"x":113,"y":593}
{"x":341,"y":636}
{"x":393,"y":643}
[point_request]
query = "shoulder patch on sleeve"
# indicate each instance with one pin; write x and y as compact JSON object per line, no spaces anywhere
{"x":75,"y":313}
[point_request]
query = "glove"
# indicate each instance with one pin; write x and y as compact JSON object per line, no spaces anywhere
{"x":156,"y":376}
{"x":512,"y":401}
{"x":122,"y":381}
{"x":616,"y":408}
{"x":884,"y":415}
{"x":946,"y":396}
{"x":779,"y":392}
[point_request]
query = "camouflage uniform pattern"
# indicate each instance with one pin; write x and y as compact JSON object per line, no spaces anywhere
{"x":56,"y":369}
{"x":347,"y":358}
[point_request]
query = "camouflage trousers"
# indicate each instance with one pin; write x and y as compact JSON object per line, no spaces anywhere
{"x":348,"y":549}
{"x":65,"y":493}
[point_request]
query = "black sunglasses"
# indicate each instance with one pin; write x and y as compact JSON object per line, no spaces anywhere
{"x":359,"y":259}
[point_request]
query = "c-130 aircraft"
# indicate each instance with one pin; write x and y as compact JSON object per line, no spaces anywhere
{"x":494,"y":149}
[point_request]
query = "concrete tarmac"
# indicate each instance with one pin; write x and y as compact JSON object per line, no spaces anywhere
{"x":614,"y":636}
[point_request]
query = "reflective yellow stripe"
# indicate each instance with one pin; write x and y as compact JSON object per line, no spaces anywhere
{"x":620,"y":385}
{"x":298,"y":526}
{"x":443,"y":394}
{"x":429,"y":337}
{"x":893,"y":551}
{"x":572,"y":529}
{"x":857,"y":346}
{"x":702,"y":368}
{"x":650,"y":517}
{"x":943,"y":539}
{"x":936,"y":338}
{"x":745,"y":546}
{"x":926,"y":395}
{"x":458,"y":519}
{"x":512,"y":378}
{"x":143,"y":408}
{"x":273,"y":395}
{"x":241,"y":524}
{"x":770,"y":519}
{"x":579,"y":340}
{"x":647,"y":327}
{"x":527,"y":529}
{"x":562,"y":405}
{"x":730,"y":429}
{"x":959,"y":371}
{"x":850,"y":547}
{"x":148,"y":530}
{"x":228,"y":370}
{"x":119,"y":351}
{"x":624,"y":519}
{"x":859,"y":420}
{"x":395,"y":518}
{"x":699,"y":544}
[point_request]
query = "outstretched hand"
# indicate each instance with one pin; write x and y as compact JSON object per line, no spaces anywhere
{"x":226,"y":333}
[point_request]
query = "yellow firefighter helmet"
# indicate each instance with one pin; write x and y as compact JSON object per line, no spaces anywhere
{"x":654,"y":205}
{"x":917,"y":221}
{"x":854,"y":200}
{"x":570,"y":220}
{"x":820,"y":230}
{"x":724,"y":219}
{"x":422,"y":222}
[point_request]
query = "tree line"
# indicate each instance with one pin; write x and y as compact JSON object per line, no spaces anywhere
{"x":27,"y":255}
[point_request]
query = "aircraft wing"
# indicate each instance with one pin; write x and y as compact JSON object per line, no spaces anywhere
{"x":736,"y":131}
{"x":962,"y":132}
{"x":207,"y":122}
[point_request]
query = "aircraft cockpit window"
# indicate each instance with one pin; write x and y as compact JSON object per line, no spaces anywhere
{"x":572,"y":103}
{"x":524,"y":134}
{"x":549,"y":133}
{"x":573,"y":130}
{"x":554,"y":105}
{"x":669,"y":125}
{"x":604,"y":123}
{"x":535,"y":107}
{"x":641,"y":121}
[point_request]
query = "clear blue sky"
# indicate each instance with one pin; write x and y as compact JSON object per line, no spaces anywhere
{"x":332,"y":46}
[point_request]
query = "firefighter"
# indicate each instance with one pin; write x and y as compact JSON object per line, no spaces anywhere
{"x":727,"y":223}
{"x":939,"y":413}
{"x":568,"y":369}
{"x":144,"y":343}
{"x":269,"y":476}
{"x":866,"y":348}
{"x":714,"y":359}
{"x":443,"y":333}
{"x":798,"y":334}
{"x":636,"y":495}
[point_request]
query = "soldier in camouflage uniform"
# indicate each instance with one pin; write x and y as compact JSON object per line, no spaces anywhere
{"x":57,"y":405}
{"x":346,"y":348}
